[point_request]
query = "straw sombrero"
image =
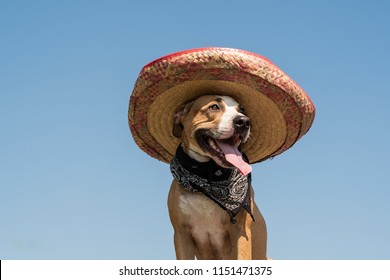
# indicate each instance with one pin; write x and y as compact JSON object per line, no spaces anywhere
{"x":279,"y":110}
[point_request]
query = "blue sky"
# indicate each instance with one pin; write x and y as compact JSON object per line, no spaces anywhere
{"x":74,"y":185}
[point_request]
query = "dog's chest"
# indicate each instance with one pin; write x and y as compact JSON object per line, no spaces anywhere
{"x":200,"y":209}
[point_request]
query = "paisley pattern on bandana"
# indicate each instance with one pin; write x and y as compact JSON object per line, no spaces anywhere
{"x":225,"y":186}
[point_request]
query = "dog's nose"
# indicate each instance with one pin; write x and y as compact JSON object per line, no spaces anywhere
{"x":241,"y":123}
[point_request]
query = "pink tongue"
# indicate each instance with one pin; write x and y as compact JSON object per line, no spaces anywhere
{"x":233,"y":156}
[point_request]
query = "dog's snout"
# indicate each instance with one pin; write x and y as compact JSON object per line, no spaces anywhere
{"x":241,"y":123}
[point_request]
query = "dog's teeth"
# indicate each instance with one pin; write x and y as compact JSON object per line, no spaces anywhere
{"x":212,"y":144}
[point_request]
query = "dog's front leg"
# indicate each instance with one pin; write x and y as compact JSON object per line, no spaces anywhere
{"x":184,"y":243}
{"x":184,"y":246}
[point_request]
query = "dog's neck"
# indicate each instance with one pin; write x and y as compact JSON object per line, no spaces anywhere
{"x":225,"y":186}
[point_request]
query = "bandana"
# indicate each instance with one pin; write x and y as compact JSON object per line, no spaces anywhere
{"x":225,"y":186}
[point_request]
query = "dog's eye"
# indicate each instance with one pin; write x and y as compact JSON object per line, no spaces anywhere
{"x":241,"y":110}
{"x":214,"y":107}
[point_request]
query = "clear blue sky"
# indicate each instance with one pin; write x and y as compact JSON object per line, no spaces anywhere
{"x":74,"y":185}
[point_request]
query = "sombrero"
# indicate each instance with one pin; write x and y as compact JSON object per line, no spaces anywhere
{"x":279,"y":110}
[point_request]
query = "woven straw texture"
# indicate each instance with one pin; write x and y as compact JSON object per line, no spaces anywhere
{"x":279,"y":110}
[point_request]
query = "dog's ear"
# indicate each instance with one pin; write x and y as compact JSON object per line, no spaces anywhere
{"x":177,"y":130}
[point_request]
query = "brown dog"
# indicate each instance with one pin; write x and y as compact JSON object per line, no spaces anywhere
{"x":212,"y":129}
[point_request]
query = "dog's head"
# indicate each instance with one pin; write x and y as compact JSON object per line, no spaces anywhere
{"x":213,"y":127}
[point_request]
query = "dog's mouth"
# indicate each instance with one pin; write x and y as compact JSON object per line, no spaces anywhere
{"x":224,"y":152}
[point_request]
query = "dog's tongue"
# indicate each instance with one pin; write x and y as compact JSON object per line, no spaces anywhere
{"x":233,"y":156}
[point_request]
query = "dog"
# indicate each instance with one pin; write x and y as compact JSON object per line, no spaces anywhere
{"x":212,"y":128}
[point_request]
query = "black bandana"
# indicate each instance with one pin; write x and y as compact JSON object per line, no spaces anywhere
{"x":225,"y":186}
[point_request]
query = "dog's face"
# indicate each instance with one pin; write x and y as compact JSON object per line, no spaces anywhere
{"x":213,"y":127}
